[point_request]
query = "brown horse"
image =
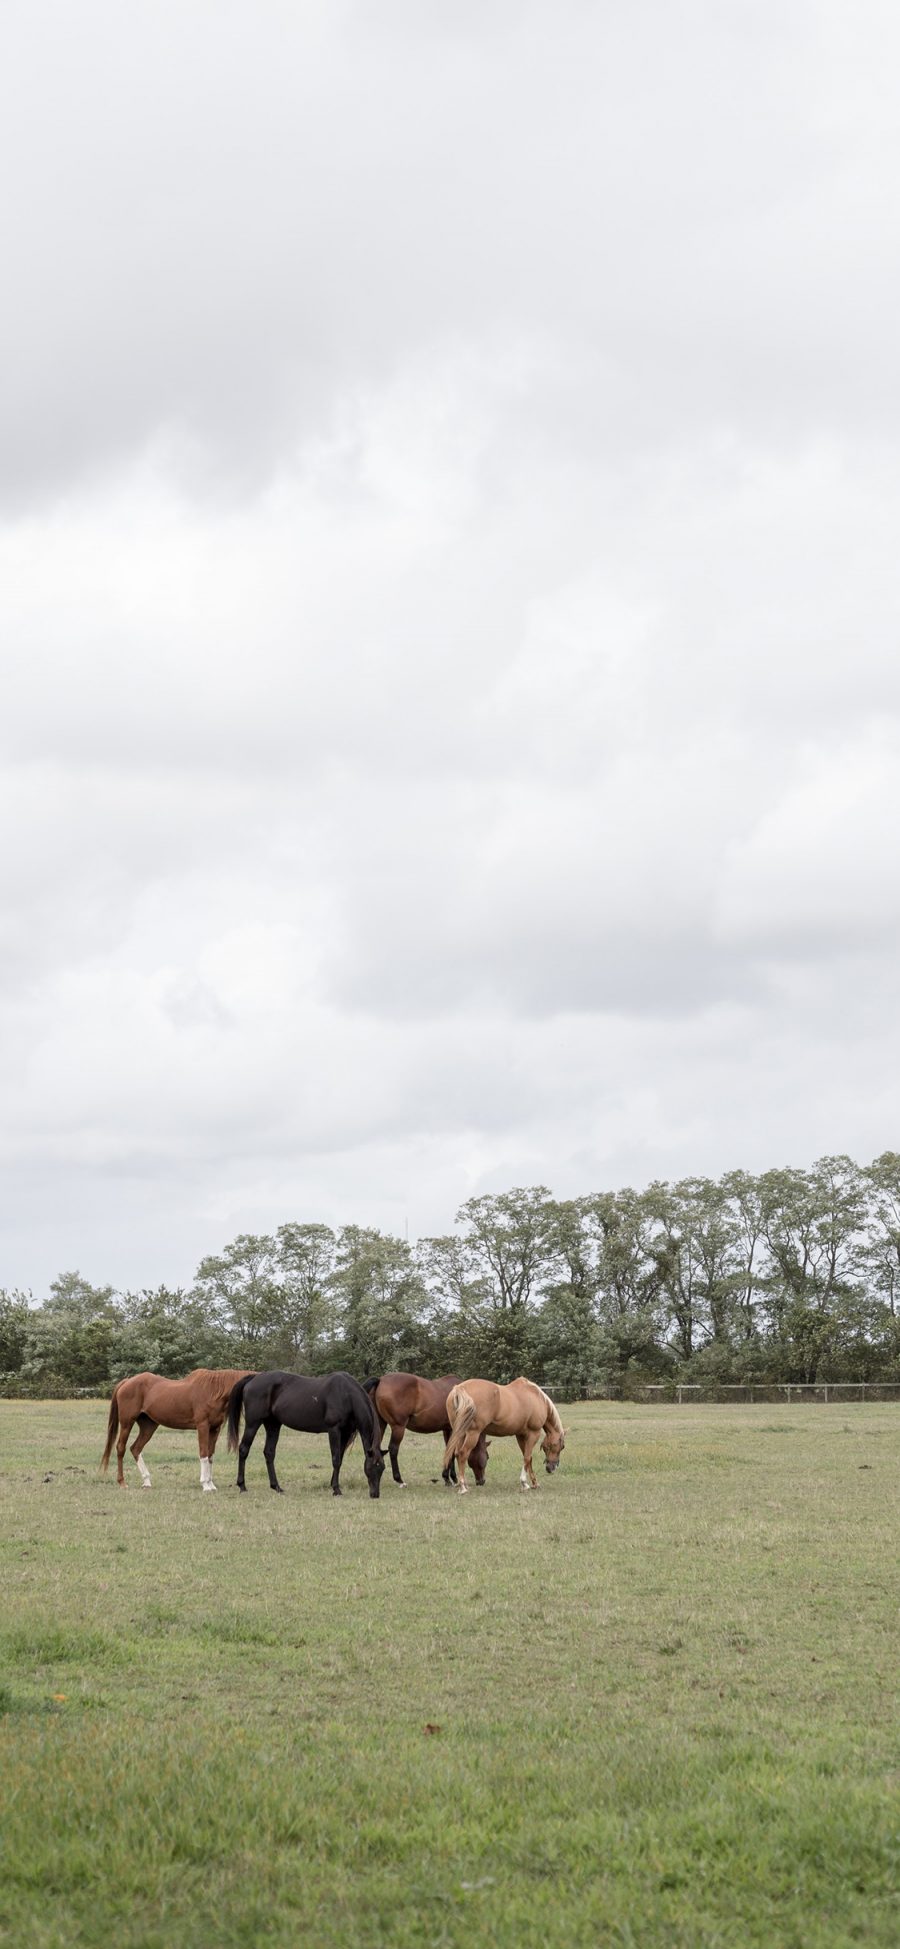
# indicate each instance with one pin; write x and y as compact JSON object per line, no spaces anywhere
{"x":478,"y":1408}
{"x":407,"y":1401}
{"x":199,"y":1401}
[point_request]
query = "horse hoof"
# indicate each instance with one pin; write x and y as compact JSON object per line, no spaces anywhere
{"x":206,"y":1487}
{"x":146,"y":1485}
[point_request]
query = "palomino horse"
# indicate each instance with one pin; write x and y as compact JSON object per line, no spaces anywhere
{"x":407,"y":1401}
{"x":522,"y":1409}
{"x":200,"y":1401}
{"x":325,"y":1404}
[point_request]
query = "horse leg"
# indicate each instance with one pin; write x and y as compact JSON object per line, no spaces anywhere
{"x":206,"y":1481}
{"x":448,"y":1475}
{"x":251,"y":1430}
{"x":146,"y":1429}
{"x":215,"y":1429}
{"x":462,"y":1455}
{"x":125,"y":1427}
{"x":273,"y":1430}
{"x":478,"y":1459}
{"x":398,"y":1430}
{"x":340,"y":1442}
{"x":527,"y":1443}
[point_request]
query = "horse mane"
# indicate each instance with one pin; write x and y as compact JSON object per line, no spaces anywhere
{"x":215,"y":1373}
{"x":553,"y":1414}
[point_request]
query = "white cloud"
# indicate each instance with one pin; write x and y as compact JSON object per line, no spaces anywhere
{"x":449,"y":611}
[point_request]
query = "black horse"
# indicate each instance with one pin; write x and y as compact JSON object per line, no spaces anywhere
{"x":328,"y":1404}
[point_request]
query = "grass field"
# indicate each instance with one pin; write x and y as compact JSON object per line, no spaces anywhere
{"x":656,"y":1703}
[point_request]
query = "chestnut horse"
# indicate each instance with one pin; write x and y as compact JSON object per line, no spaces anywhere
{"x":478,"y":1408}
{"x":407,"y":1401}
{"x":200,"y":1401}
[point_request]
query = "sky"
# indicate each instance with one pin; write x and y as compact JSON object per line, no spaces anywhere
{"x":449,"y":497}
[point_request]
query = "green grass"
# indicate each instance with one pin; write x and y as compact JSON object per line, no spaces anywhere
{"x":655,"y":1704}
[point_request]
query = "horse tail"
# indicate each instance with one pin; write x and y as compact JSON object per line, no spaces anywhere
{"x":235,"y":1403}
{"x":112,"y":1429}
{"x":461,"y":1413}
{"x":369,"y":1430}
{"x":371,"y":1388}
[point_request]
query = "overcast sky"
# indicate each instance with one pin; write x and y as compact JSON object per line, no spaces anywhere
{"x":449,"y":512}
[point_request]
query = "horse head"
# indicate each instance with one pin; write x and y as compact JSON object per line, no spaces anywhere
{"x":553,"y":1444}
{"x":374,"y":1467}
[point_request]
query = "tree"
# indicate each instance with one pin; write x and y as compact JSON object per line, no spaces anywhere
{"x":814,"y":1224}
{"x":241,"y":1290}
{"x":14,"y":1320}
{"x":565,"y":1341}
{"x":511,"y":1240}
{"x":883,"y":1242}
{"x":750,"y":1213}
{"x":309,"y":1314}
{"x":380,"y":1298}
{"x":75,"y":1300}
{"x":166,"y":1332}
{"x":626,"y":1273}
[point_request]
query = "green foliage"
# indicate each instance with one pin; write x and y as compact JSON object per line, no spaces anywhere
{"x":793,"y":1275}
{"x":14,"y":1324}
{"x":309,"y":1310}
{"x":381,"y":1297}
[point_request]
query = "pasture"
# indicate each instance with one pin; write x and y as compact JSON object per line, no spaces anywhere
{"x":654,"y":1704}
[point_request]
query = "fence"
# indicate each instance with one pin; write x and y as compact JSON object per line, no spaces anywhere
{"x":749,"y":1391}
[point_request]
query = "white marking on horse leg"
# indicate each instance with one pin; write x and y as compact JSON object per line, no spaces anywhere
{"x":206,"y":1481}
{"x":462,"y":1489}
{"x":144,"y":1471}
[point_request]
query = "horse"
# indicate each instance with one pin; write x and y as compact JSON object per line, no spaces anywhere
{"x":407,"y":1401}
{"x":327,"y":1404}
{"x":478,"y":1408}
{"x":199,"y":1401}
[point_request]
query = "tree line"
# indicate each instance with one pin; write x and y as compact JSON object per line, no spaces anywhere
{"x":793,"y":1275}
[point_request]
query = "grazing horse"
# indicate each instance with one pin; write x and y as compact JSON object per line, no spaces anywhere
{"x":200,"y":1401}
{"x":326,"y":1404}
{"x":407,"y":1401}
{"x":522,"y":1409}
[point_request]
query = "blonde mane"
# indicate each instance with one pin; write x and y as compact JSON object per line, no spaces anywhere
{"x":553,"y":1415}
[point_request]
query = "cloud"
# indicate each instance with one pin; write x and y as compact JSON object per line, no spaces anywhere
{"x":447,"y":585}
